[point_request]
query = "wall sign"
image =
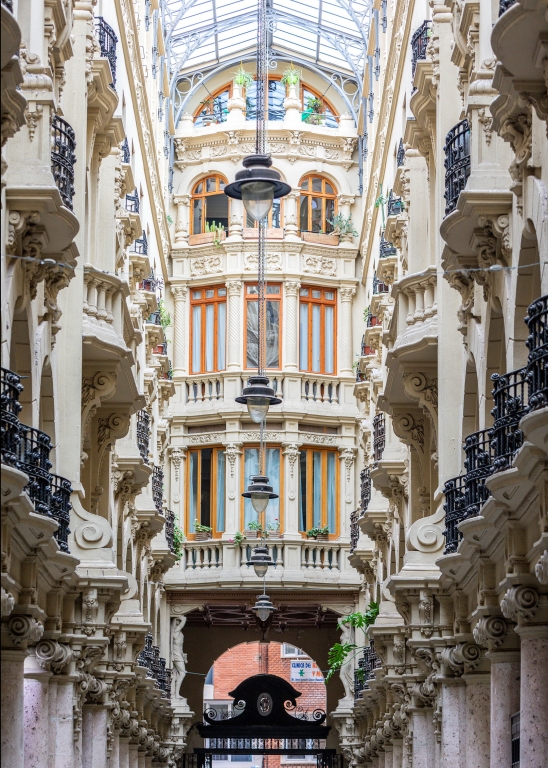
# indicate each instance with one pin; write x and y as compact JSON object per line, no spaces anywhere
{"x":305,"y":670}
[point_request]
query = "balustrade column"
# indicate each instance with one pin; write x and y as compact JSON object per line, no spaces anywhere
{"x":345,"y":330}
{"x":179,"y":329}
{"x":291,"y":325}
{"x":235,"y":330}
{"x":182,"y":224}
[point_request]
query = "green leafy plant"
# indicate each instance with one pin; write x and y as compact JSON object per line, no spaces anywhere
{"x":199,"y":528}
{"x":238,"y":538}
{"x":178,"y":539}
{"x":254,"y":525}
{"x":243,"y":78}
{"x":340,"y":653}
{"x":380,"y":202}
{"x":275,"y":528}
{"x":313,"y":114}
{"x":217,"y":228}
{"x":169,"y":220}
{"x":342,"y":225}
{"x":165,"y":317}
{"x":291,"y":75}
{"x":317,"y":532}
{"x":337,"y":656}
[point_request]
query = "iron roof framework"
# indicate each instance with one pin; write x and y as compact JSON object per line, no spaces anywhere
{"x":204,"y":36}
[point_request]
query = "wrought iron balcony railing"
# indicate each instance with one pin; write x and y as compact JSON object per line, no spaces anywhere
{"x":158,"y":488}
{"x":395,"y":205}
{"x":366,"y":350}
{"x":504,"y":5}
{"x":354,"y":530}
{"x":372,"y":320}
{"x":126,"y":154}
{"x":140,"y":245}
{"x":107,"y":44}
{"x":151,"y":284}
{"x":169,"y":529}
{"x":28,"y":449}
{"x":379,"y":436}
{"x":386,"y":248}
{"x":154,"y":318}
{"x":379,"y":286}
{"x":537,"y":344}
{"x":400,"y":157}
{"x":457,"y":163}
{"x":155,"y":665}
{"x":132,"y":202}
{"x":143,"y":433}
{"x":365,"y":489}
{"x":63,"y":158}
{"x":419,"y":42}
{"x":146,"y":657}
{"x":455,"y":502}
{"x":510,"y":395}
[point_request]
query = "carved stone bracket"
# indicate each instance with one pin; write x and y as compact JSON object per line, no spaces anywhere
{"x":520,"y":602}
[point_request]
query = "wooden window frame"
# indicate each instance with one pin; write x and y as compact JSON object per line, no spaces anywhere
{"x":203,"y":195}
{"x":244,"y":483}
{"x":222,"y":89}
{"x":310,"y":449}
{"x":323,"y":196}
{"x":203,"y":302}
{"x":323,"y":302}
{"x":304,"y":87}
{"x":247,"y":298}
{"x":269,"y":226}
{"x":213,"y":494}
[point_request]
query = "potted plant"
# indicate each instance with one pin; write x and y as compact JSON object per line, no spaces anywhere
{"x":273,"y":529}
{"x":313,"y":114}
{"x":320,"y":534}
{"x":202,"y":532}
{"x":214,"y":233}
{"x":242,"y":78}
{"x":321,"y":238}
{"x":238,"y":538}
{"x":291,"y":76}
{"x":255,"y":530}
{"x":343,"y":226}
{"x":178,"y":541}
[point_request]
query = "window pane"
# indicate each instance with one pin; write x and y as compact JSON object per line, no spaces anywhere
{"x":193,"y":501}
{"x":272,"y":514}
{"x":304,"y":291}
{"x":205,"y":487}
{"x":329,"y":295}
{"x":302,"y":490}
{"x":272,"y":334}
{"x":329,"y":361}
{"x":304,"y":213}
{"x":316,"y":185}
{"x":210,"y":294}
{"x":217,"y":209}
{"x":251,"y":467}
{"x":196,"y":294}
{"x":252,"y":289}
{"x":316,"y":204}
{"x":276,"y":214}
{"x":329,"y":213}
{"x":196,"y":339}
{"x":303,"y":337}
{"x":211,"y":184}
{"x":329,"y":188}
{"x":252,"y":346}
{"x":304,"y":184}
{"x":222,"y":185}
{"x":331,"y":493}
{"x":221,"y":336}
{"x":316,"y":294}
{"x":199,"y":188}
{"x":210,"y":336}
{"x":273,"y":290}
{"x":317,"y":489}
{"x":221,"y":473}
{"x":316,"y":346}
{"x":197,"y":207}
{"x":221,"y":292}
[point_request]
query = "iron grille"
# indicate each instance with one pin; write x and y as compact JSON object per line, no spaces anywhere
{"x":395,"y":205}
{"x":455,"y":501}
{"x":154,"y":318}
{"x":169,"y":530}
{"x":419,"y":42}
{"x":132,"y":203}
{"x":143,"y":433}
{"x":354,"y":530}
{"x":510,"y":395}
{"x":400,"y":157}
{"x":365,"y":489}
{"x":504,"y":5}
{"x":126,"y":154}
{"x":146,"y":657}
{"x":140,"y":245}
{"x":386,"y":248}
{"x":457,"y":163}
{"x":479,"y":466}
{"x":63,"y":158}
{"x":107,"y":44}
{"x":378,"y":436}
{"x":158,"y":487}
{"x":60,"y":509}
{"x":537,"y":343}
{"x":515,"y":735}
{"x":379,"y":286}
{"x":11,"y":407}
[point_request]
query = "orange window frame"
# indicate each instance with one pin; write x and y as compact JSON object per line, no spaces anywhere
{"x":323,"y":196}
{"x":216,"y":299}
{"x":271,"y":297}
{"x":222,"y":89}
{"x":203,"y":195}
{"x":310,"y":450}
{"x":255,"y":224}
{"x":215,"y":450}
{"x":244,"y":484}
{"x":323,"y":302}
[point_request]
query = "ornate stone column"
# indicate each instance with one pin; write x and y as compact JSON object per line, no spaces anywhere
{"x":179,"y":329}
{"x":347,"y":456}
{"x":291,"y":215}
{"x":344,"y":330}
{"x":233,"y":452}
{"x":123,"y":752}
{"x":291,"y":473}
{"x":423,"y":739}
{"x":182,"y":225}
{"x":291,"y":325}
{"x":235,"y":330}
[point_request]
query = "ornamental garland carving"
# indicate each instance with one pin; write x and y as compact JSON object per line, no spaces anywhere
{"x":274,"y":262}
{"x":317,"y":439}
{"x":208,"y":437}
{"x":320,"y":265}
{"x":205,"y":265}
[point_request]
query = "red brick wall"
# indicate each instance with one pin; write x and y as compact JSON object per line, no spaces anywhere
{"x":249,"y":659}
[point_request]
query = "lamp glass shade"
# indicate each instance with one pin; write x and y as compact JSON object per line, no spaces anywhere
{"x":260,"y":569}
{"x":259,"y":501}
{"x":257,"y":197}
{"x":263,"y":613}
{"x":263,"y":607}
{"x":258,"y":408}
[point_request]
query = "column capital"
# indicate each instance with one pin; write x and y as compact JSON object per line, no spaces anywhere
{"x":292,"y":287}
{"x":347,"y":293}
{"x":179,"y":292}
{"x":234,"y":287}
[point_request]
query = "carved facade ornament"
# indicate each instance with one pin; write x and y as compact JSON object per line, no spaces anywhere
{"x":541,"y":568}
{"x":517,"y":129}
{"x":206,"y":265}
{"x":234,"y":287}
{"x":320,"y":265}
{"x":274,"y":262}
{"x":462,"y":658}
{"x":24,"y":630}
{"x":347,"y":455}
{"x":53,"y":656}
{"x":208,"y":437}
{"x":409,"y":429}
{"x":292,"y":453}
{"x":176,"y":455}
{"x":8,"y":601}
{"x":490,"y":631}
{"x":520,"y":602}
{"x":486,"y":122}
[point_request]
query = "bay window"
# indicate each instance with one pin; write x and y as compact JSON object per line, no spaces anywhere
{"x":208,"y":329}
{"x":318,"y":204}
{"x":317,"y":308}
{"x":318,"y":489}
{"x":206,"y":489}
{"x":273,"y":338}
{"x":272,"y":515}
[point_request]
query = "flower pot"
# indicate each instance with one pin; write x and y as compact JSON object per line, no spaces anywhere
{"x":319,"y":238}
{"x":202,"y":535}
{"x":320,"y":537}
{"x":206,"y":238}
{"x":251,"y":534}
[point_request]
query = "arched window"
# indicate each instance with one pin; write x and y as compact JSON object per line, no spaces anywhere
{"x":214,"y":108}
{"x":316,"y":109}
{"x":209,"y":205}
{"x":275,"y":216}
{"x":318,"y":204}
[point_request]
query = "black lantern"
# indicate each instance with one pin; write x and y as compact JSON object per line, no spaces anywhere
{"x":260,"y":560}
{"x":263,"y":607}
{"x":259,"y":492}
{"x":258,"y":396}
{"x":257,"y":186}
